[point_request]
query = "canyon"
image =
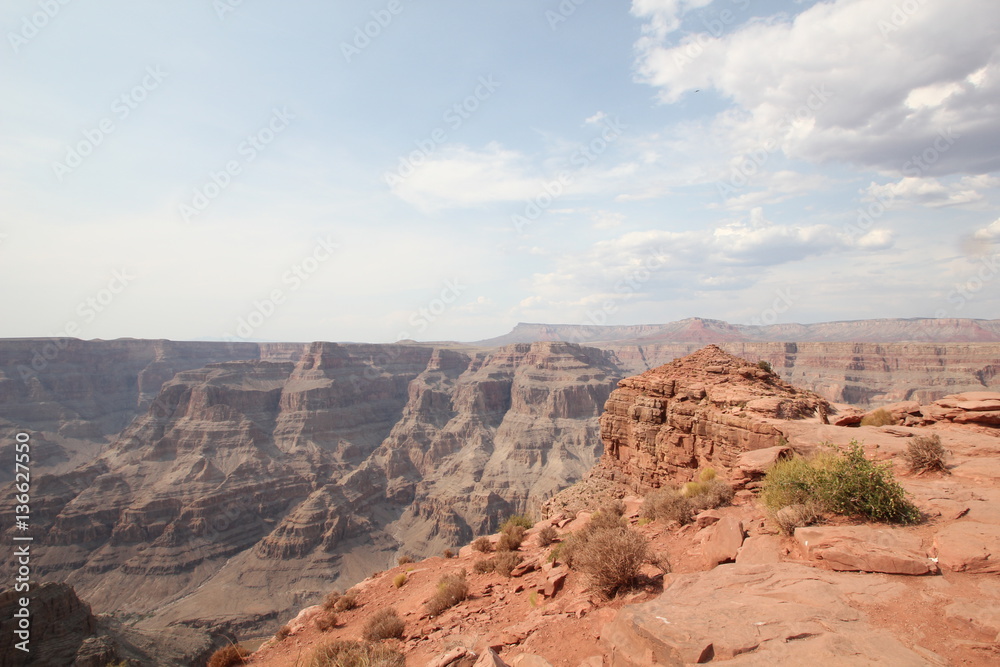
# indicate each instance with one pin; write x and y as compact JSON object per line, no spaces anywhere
{"x":216,"y":488}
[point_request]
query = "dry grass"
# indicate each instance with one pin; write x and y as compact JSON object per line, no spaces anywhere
{"x":282,"y":632}
{"x":348,"y":600}
{"x":511,"y":538}
{"x":667,"y":505}
{"x":448,"y":553}
{"x":227,"y":656}
{"x":612,"y":558}
{"x":403,"y":560}
{"x":354,"y":654}
{"x":330,"y":601}
{"x":547,"y":536}
{"x":399,"y":580}
{"x":880,"y":417}
{"x":451,"y":589}
{"x":505,"y":562}
{"x":796,"y":516}
{"x":482,"y":544}
{"x":383,"y":624}
{"x":925,"y":453}
{"x":484,"y":566}
{"x":326,"y":621}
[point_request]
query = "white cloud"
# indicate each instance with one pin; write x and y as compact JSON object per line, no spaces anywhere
{"x":931,"y":192}
{"x":596,"y":118}
{"x":849,"y":80}
{"x":462,"y":177}
{"x":990,"y":232}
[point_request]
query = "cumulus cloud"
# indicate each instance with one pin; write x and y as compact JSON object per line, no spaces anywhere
{"x":989,"y":233}
{"x":932,"y":192}
{"x":850,"y":80}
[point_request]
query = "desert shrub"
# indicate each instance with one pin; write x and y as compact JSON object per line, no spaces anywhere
{"x":880,"y":417}
{"x":227,"y":656}
{"x":667,"y":505}
{"x":451,"y":589}
{"x":482,"y":544}
{"x":547,"y":536}
{"x":795,"y":516}
{"x":403,"y":560}
{"x":326,"y":621}
{"x":483,"y":566}
{"x":845,"y":483}
{"x":330,"y":601}
{"x":711,"y":493}
{"x":661,"y":561}
{"x":611,"y":557}
{"x":282,"y":632}
{"x":354,"y":654}
{"x":511,"y":538}
{"x":448,"y":553}
{"x":522,"y":520}
{"x":383,"y":624}
{"x":925,"y":453}
{"x":706,"y":475}
{"x":399,"y":580}
{"x":765,"y":366}
{"x":348,"y":600}
{"x":505,"y":562}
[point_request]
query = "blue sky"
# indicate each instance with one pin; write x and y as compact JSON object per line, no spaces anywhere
{"x":443,"y":170}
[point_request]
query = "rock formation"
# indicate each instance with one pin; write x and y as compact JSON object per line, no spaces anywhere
{"x":980,"y":408}
{"x":704,"y":410}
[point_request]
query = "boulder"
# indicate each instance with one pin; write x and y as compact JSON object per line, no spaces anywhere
{"x":759,"y":461}
{"x":529,"y":660}
{"x":489,"y":658}
{"x":760,"y":549}
{"x":724,"y":541}
{"x":977,"y":615}
{"x":866,"y":549}
{"x":777,"y":614}
{"x":969,"y":546}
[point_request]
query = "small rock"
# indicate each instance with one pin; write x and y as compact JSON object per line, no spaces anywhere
{"x":724,"y":541}
{"x":529,"y":660}
{"x":489,"y":658}
{"x":707,"y":518}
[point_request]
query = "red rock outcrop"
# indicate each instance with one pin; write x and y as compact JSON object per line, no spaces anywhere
{"x":974,"y":407}
{"x":704,"y":410}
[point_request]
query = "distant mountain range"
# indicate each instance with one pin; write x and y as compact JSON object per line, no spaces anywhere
{"x":700,"y":330}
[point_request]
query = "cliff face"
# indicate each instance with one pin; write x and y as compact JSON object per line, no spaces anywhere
{"x":248,"y":487}
{"x":859,"y":373}
{"x":703,"y":410}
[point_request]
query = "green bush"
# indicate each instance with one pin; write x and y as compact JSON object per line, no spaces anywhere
{"x":354,"y":654}
{"x":846,"y":483}
{"x":880,"y":417}
{"x":765,"y":366}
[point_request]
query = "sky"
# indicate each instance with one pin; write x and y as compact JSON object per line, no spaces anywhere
{"x":441,"y":170}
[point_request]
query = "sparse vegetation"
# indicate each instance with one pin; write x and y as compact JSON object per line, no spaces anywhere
{"x":925,"y":453}
{"x":330,"y":601}
{"x":399,"y":580}
{"x":326,"y":621}
{"x":522,"y":520}
{"x":383,"y":624}
{"x":346,"y":601}
{"x":451,"y":589}
{"x":880,"y":417}
{"x":227,"y":656}
{"x":611,"y":557}
{"x":355,"y":654}
{"x":403,"y":560}
{"x":283,"y":632}
{"x":484,"y":566}
{"x":796,"y":516}
{"x":547,"y":536}
{"x":845,"y":483}
{"x":448,"y":553}
{"x":680,"y":505}
{"x":482,"y":544}
{"x":511,"y":538}
{"x":505,"y":562}
{"x":765,"y":366}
